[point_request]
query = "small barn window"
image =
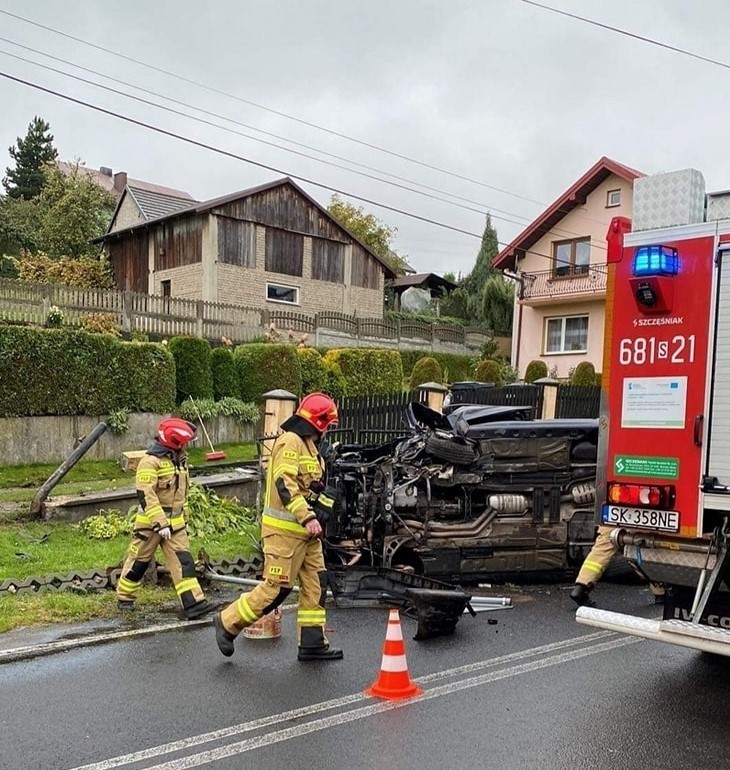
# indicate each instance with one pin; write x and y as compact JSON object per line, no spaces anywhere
{"x":276,"y":292}
{"x":284,"y":252}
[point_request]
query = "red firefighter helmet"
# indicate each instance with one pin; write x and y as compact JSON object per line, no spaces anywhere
{"x":319,"y":410}
{"x":174,"y":433}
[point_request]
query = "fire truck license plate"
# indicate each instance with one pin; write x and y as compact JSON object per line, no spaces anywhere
{"x":643,"y":518}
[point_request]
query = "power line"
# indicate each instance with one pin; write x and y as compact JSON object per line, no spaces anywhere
{"x":486,"y":210}
{"x":280,"y":113}
{"x":235,"y":156}
{"x":627,"y":33}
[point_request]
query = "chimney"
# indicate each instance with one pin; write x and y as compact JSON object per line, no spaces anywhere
{"x":105,"y":170}
{"x":120,"y":181}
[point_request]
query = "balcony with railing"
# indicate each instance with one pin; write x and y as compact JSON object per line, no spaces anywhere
{"x":568,"y":283}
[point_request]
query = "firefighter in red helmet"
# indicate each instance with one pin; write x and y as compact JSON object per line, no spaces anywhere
{"x":296,"y":505}
{"x":162,"y":492}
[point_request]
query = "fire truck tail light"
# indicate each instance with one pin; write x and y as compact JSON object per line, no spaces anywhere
{"x":655,"y":260}
{"x":640,"y":495}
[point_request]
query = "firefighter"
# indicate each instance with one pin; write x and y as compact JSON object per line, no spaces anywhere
{"x":162,"y":491}
{"x":593,"y":567}
{"x":296,"y":506}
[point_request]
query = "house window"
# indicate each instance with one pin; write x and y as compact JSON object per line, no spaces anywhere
{"x":566,"y":334}
{"x":613,"y":198}
{"x":275,"y":292}
{"x":571,"y":257}
{"x":166,"y":287}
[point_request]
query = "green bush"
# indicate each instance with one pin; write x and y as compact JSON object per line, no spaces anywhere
{"x":366,"y":371}
{"x":584,"y":374}
{"x":205,"y":408}
{"x":61,"y":372}
{"x":489,"y":371}
{"x":454,"y":367}
{"x":315,"y":376}
{"x":223,"y":371}
{"x":426,"y":369}
{"x":536,"y":370}
{"x":264,"y":367}
{"x":599,"y":379}
{"x":192,"y":367}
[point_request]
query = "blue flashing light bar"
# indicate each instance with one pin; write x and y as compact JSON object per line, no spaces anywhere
{"x":655,"y":260}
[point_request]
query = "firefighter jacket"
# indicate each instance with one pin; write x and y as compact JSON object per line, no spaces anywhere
{"x":162,"y":489}
{"x":293,"y":466}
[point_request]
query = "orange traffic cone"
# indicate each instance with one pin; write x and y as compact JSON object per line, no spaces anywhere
{"x":393,"y":682}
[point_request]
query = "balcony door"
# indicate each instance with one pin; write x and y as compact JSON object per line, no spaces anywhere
{"x":571,"y":257}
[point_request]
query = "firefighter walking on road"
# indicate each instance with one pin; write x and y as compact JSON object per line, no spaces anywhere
{"x":593,"y":567}
{"x":296,"y":506}
{"x":162,"y":492}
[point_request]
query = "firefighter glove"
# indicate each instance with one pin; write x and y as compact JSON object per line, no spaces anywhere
{"x":164,"y":532}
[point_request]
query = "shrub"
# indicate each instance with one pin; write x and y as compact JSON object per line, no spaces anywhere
{"x":54,"y":317}
{"x":107,"y":524}
{"x":101,"y":323}
{"x":536,"y":370}
{"x":367,"y":371}
{"x":209,"y":514}
{"x":314,"y":373}
{"x":262,"y":367}
{"x":205,"y":408}
{"x":61,"y":371}
{"x":489,"y":370}
{"x":584,"y":374}
{"x":139,"y":336}
{"x":223,"y":371}
{"x":426,"y":369}
{"x":84,"y":271}
{"x":599,"y":379}
{"x":192,"y":367}
{"x":454,"y":367}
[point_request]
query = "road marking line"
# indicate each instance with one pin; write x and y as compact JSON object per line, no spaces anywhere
{"x":316,"y":708}
{"x":251,"y":744}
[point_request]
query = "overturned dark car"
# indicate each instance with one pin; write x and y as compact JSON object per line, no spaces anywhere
{"x":481,"y":493}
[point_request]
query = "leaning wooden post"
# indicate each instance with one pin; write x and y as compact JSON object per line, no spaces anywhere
{"x":434,"y":393}
{"x":549,"y":389}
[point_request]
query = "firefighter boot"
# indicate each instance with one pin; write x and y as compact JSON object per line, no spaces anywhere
{"x":223,"y":639}
{"x":313,"y":646}
{"x":581,"y":595}
{"x":197,"y":610}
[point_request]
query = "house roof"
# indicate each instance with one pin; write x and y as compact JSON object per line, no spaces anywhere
{"x":429,"y":281}
{"x":154,"y":204}
{"x":574,"y":196}
{"x":115,"y":183}
{"x":205,"y":206}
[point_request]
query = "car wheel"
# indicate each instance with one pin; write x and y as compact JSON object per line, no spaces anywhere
{"x":450,"y":450}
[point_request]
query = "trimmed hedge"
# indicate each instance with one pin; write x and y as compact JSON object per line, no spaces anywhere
{"x":584,"y":374}
{"x":489,"y":371}
{"x":192,"y":365}
{"x":65,"y":372}
{"x":455,"y":367}
{"x":223,"y":371}
{"x":262,"y":367}
{"x":366,"y":371}
{"x":315,"y":376}
{"x":426,"y":369}
{"x":536,"y":370}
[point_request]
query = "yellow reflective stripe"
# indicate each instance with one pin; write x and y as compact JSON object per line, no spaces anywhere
{"x":189,"y":584}
{"x":593,"y":566}
{"x":285,"y":468}
{"x":326,"y":502}
{"x":297,"y":503}
{"x":146,"y":477}
{"x":142,"y":518}
{"x":177,"y":521}
{"x":163,"y":474}
{"x":245,"y":611}
{"x":129,"y":586}
{"x":289,"y":526}
{"x":155,"y":510}
{"x":311,"y":617}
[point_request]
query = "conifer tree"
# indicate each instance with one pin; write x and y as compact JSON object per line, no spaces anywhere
{"x":30,"y":154}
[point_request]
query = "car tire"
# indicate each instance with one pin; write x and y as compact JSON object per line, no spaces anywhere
{"x":450,"y":450}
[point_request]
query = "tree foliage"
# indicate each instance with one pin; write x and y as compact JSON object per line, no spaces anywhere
{"x":369,"y":229}
{"x":497,"y":301}
{"x":19,"y":225}
{"x":74,"y":209}
{"x":474,"y":282}
{"x":31,"y":155}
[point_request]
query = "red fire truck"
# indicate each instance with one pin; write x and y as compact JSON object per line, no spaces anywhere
{"x":664,"y":440}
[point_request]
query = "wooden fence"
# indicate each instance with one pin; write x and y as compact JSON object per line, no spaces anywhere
{"x":162,"y":317}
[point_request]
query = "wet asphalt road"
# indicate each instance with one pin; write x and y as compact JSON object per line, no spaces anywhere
{"x":536,"y":690}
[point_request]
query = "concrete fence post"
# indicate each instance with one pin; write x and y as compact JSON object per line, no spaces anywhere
{"x":435,"y":394}
{"x":549,"y":389}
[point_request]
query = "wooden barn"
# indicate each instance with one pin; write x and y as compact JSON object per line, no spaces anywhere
{"x":267,"y":246}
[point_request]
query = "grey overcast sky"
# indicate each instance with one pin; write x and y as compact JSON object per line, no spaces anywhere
{"x":507,"y":94}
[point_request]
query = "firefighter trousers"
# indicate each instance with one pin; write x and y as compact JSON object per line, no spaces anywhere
{"x":286,"y":558}
{"x":599,"y":558}
{"x":179,"y":562}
